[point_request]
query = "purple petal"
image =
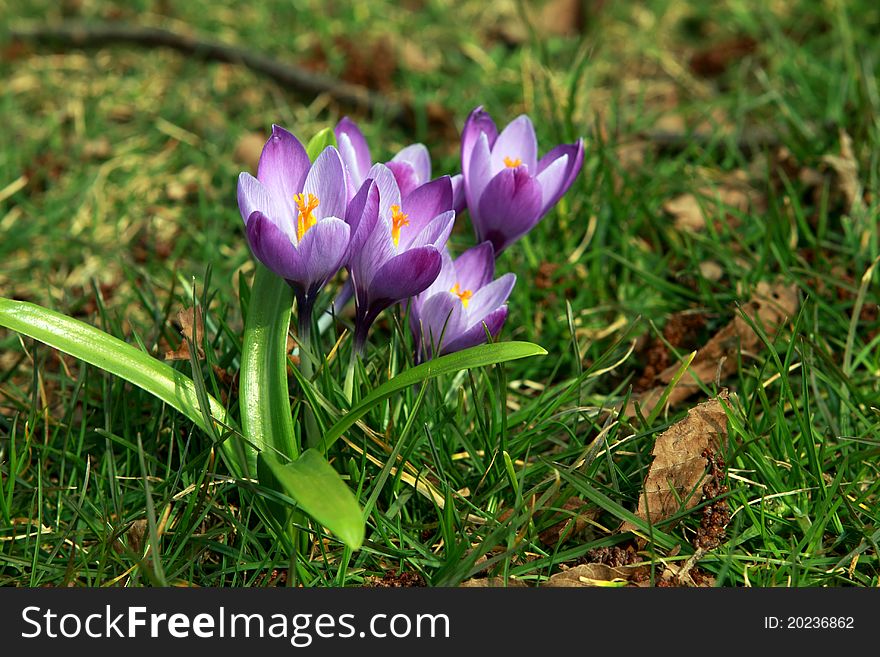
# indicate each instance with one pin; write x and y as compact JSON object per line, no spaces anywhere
{"x":405,"y":175}
{"x":490,"y":297}
{"x":425,"y":203}
{"x":417,"y":156}
{"x":441,"y":318}
{"x":478,"y":122}
{"x":322,"y":251}
{"x":551,"y":180}
{"x":326,"y":180}
{"x":404,"y":276}
{"x":273,"y":248}
{"x":517,"y":142}
{"x":475,"y":267}
{"x":389,"y":192}
{"x":444,"y":282}
{"x":354,"y":150}
{"x":283,"y":166}
{"x":459,"y":202}
{"x":509,"y":207}
{"x":362,"y":213}
{"x":477,"y":176}
{"x":476,"y":334}
{"x":435,"y":234}
{"x":377,"y":249}
{"x":253,"y":196}
{"x":575,"y":153}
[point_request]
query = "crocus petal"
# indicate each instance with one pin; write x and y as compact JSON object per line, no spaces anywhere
{"x":518,"y":142}
{"x":575,"y":154}
{"x":354,"y":149}
{"x":404,"y":276}
{"x":441,"y":317}
{"x":475,"y":267}
{"x":405,"y":175}
{"x":490,"y":297}
{"x":478,"y":122}
{"x":435,"y":234}
{"x":426,"y":202}
{"x":477,"y":175}
{"x":322,"y":251}
{"x":283,"y":166}
{"x":509,"y":207}
{"x":273,"y":248}
{"x":362,"y":213}
{"x":326,"y":180}
{"x":389,"y":192}
{"x":417,"y":156}
{"x":377,"y":249}
{"x":459,"y":202}
{"x":253,"y":196}
{"x":444,"y":282}
{"x":551,"y":180}
{"x":476,"y":334}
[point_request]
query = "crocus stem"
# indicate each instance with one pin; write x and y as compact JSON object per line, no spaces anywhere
{"x":325,"y":321}
{"x":306,"y":365}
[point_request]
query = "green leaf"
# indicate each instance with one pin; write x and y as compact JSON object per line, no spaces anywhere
{"x":318,"y":491}
{"x":263,"y":395}
{"x":111,"y":354}
{"x":319,"y":142}
{"x":486,"y":354}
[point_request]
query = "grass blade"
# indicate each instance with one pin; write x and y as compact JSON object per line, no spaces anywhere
{"x":486,"y":354}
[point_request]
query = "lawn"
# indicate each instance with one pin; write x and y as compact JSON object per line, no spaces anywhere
{"x":708,"y":409}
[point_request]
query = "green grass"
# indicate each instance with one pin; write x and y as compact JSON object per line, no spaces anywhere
{"x":130,"y":159}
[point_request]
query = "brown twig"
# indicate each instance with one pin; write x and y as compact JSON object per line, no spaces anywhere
{"x":313,"y":84}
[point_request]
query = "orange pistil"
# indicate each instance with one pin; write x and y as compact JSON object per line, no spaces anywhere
{"x":398,"y":221}
{"x":512,"y":163}
{"x":305,"y":220}
{"x":465,"y":296}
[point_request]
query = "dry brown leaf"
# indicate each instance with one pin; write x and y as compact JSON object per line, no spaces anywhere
{"x":491,"y":583}
{"x":847,"y":169}
{"x":192,"y":328}
{"x":769,"y":308}
{"x":714,"y":60}
{"x":598,"y":574}
{"x":690,"y":210}
{"x":679,"y":469}
{"x":571,"y":524}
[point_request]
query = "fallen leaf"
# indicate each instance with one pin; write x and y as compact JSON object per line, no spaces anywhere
{"x":847,"y":169}
{"x":692,"y":211}
{"x":597,"y":574}
{"x":769,"y":308}
{"x":491,"y":582}
{"x":192,"y":328}
{"x":715,"y":59}
{"x":679,"y":469}
{"x":573,"y":522}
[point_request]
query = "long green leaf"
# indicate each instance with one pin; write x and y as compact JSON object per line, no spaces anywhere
{"x":263,"y":396}
{"x":319,"y":491}
{"x":486,"y":354}
{"x":111,"y":354}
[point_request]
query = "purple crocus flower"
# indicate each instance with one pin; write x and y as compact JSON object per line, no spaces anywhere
{"x":411,"y":166}
{"x":461,"y":304}
{"x":396,"y":242}
{"x":508,"y":189}
{"x":294,"y":215}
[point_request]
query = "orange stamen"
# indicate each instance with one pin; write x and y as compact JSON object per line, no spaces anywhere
{"x":398,"y":221}
{"x":464,"y":296}
{"x":305,"y":220}
{"x":512,"y":163}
